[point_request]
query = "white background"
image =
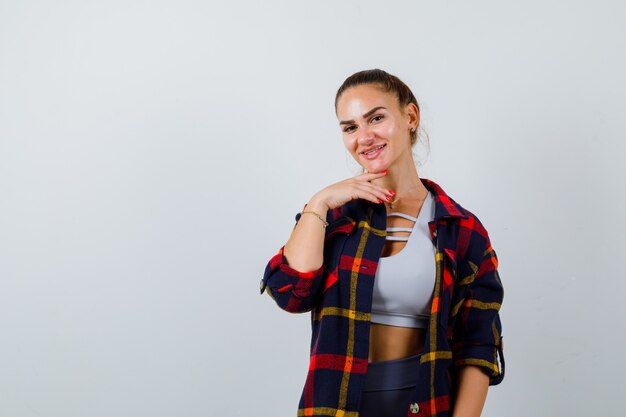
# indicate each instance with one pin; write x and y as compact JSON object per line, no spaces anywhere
{"x":153,"y":156}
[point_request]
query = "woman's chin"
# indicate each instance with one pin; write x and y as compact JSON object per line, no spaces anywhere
{"x":375,"y":167}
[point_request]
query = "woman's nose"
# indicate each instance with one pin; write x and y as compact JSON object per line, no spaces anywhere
{"x":366,"y":135}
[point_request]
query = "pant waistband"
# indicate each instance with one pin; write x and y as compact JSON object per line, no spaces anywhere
{"x":392,"y":374}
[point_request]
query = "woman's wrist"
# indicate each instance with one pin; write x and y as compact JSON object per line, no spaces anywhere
{"x":317,"y":205}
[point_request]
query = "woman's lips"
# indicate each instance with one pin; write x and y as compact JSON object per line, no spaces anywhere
{"x":375,"y":154}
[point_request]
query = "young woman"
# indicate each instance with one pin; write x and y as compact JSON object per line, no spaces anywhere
{"x":400,"y":279}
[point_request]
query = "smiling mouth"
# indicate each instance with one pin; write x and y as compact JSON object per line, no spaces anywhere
{"x":373,"y":151}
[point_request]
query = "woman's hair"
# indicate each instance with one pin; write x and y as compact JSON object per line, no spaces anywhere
{"x":386,"y":82}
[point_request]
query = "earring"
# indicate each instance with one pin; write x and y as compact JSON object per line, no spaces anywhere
{"x":413,"y":130}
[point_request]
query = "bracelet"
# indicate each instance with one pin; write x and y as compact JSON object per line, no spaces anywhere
{"x":320,"y":217}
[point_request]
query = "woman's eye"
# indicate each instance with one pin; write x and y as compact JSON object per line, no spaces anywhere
{"x":378,"y":116}
{"x":347,"y":129}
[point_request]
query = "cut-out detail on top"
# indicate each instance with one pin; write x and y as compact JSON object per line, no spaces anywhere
{"x":401,"y":229}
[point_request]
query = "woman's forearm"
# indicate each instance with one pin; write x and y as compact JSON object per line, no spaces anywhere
{"x":305,"y":248}
{"x":472,"y":386}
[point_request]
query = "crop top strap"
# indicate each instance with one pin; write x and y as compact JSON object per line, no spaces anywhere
{"x":400,"y":229}
{"x":406,"y":216}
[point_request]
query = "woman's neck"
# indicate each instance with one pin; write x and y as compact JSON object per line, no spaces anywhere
{"x":405,"y":183}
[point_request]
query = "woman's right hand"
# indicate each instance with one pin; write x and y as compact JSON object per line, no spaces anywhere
{"x":339,"y":193}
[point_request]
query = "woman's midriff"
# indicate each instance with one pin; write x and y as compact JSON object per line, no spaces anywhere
{"x":394,"y":342}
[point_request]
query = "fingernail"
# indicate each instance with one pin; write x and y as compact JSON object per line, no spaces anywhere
{"x":388,"y":198}
{"x":379,"y":200}
{"x":385,"y":171}
{"x":392,"y":192}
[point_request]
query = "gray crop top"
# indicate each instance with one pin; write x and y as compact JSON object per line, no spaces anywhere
{"x":404,"y":282}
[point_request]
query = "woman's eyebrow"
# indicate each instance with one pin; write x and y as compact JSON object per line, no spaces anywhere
{"x":366,"y":115}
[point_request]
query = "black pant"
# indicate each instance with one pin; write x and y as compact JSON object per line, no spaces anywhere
{"x":388,"y":386}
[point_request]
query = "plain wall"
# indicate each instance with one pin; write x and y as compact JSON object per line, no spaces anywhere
{"x":153,"y":156}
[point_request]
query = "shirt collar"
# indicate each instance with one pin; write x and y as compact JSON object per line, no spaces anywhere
{"x":445,"y":206}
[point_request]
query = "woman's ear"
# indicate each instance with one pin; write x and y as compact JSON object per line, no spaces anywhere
{"x":413,"y":114}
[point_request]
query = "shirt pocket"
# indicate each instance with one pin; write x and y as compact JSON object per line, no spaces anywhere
{"x":334,"y":243}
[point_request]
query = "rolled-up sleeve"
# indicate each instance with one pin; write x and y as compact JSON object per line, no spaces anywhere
{"x":477,"y":338}
{"x":292,"y":290}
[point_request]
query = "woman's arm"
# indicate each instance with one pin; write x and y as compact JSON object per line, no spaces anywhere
{"x":477,"y":341}
{"x":471,"y":392}
{"x":294,"y":282}
{"x":477,"y":335}
{"x":294,"y":275}
{"x":305,"y":248}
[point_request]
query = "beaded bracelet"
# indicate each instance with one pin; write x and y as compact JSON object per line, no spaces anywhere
{"x":320,"y":217}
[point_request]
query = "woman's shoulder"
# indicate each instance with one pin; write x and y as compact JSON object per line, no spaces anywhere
{"x":457,"y":212}
{"x":473,"y":237}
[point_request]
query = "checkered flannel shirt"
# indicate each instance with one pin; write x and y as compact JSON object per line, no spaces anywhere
{"x":464,"y":326}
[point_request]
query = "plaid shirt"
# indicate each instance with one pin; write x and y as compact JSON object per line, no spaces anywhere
{"x":464,"y":326}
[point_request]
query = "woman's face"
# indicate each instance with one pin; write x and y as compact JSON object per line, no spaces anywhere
{"x":370,"y":118}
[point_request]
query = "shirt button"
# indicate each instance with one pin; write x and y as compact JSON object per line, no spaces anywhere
{"x":435,"y":233}
{"x":415,"y":408}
